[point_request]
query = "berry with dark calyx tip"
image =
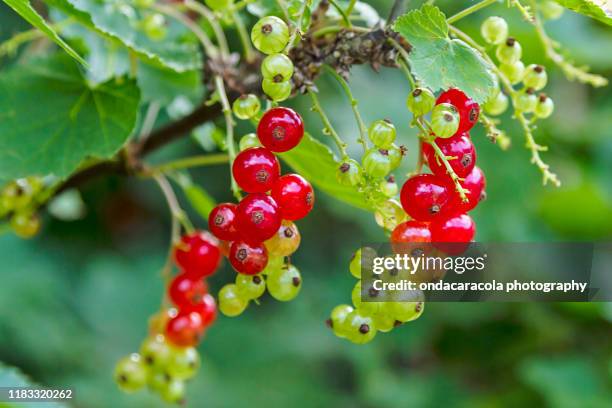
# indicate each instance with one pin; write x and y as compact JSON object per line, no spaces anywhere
{"x":255,"y":170}
{"x":424,"y":197}
{"x":535,"y":77}
{"x":389,"y":187}
{"x":460,"y":153}
{"x":277,"y":67}
{"x":248,"y":259}
{"x":468,"y":109}
{"x":337,"y":319}
{"x":369,"y":307}
{"x":285,"y":242}
{"x":444,"y":120}
{"x":222,"y":222}
{"x":247,"y":141}
{"x":509,"y":51}
{"x":406,"y":311}
{"x":218,"y":5}
{"x":360,"y":328}
{"x":551,"y":10}
{"x":497,"y":104}
{"x":183,"y":363}
{"x":396,"y":154}
{"x":382,"y":133}
{"x":206,"y":308}
{"x":513,"y":71}
{"x":198,"y":254}
{"x":494,"y":30}
{"x":131,"y":373}
{"x":420,"y":101}
{"x":250,"y":286}
{"x":246,"y":106}
{"x":25,"y":224}
{"x":294,"y":195}
{"x":475,"y":184}
{"x":544,"y":107}
{"x":19,"y":193}
{"x":173,"y":392}
{"x":453,"y":234}
{"x":158,"y":380}
{"x":277,"y":91}
{"x":377,"y":163}
{"x":185,"y":329}
{"x":525,"y":100}
{"x":349,"y":173}
{"x":154,"y":26}
{"x":231,"y":302}
{"x":155,"y":351}
{"x":362,"y":260}
{"x":185,"y":290}
{"x":258,"y":218}
{"x":270,"y":35}
{"x":280,"y":129}
{"x":285,"y":283}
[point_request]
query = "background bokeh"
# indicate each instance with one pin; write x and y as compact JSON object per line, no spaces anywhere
{"x":77,"y":298}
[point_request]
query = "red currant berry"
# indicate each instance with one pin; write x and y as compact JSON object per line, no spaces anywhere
{"x":256,"y":169}
{"x":221,"y":222}
{"x":185,"y":329}
{"x":248,"y":259}
{"x":424,"y":196}
{"x":475,"y":184}
{"x":206,"y":308}
{"x":452,"y":235}
{"x":459,"y":147}
{"x":280,"y":129}
{"x":407,"y":237}
{"x":198,"y":254}
{"x":468,"y":109}
{"x":185,"y":291}
{"x":258,"y":218}
{"x":294,"y":195}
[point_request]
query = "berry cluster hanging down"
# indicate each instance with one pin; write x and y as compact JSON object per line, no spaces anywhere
{"x":19,"y":202}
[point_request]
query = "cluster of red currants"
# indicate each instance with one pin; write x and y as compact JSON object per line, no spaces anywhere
{"x":438,"y":212}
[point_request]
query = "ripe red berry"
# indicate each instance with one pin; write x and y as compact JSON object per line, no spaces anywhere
{"x":248,"y":259}
{"x":459,"y":147}
{"x":185,"y":291}
{"x":256,"y":169}
{"x":206,"y":308}
{"x":222,"y":222}
{"x":280,"y":129}
{"x":409,"y":236}
{"x":294,"y":195}
{"x":453,"y":234}
{"x":185,"y":329}
{"x":475,"y":184}
{"x":198,"y":254}
{"x":258,"y":218}
{"x":468,"y":109}
{"x":424,"y":196}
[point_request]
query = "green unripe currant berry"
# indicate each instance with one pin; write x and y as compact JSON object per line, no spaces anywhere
{"x":249,"y":140}
{"x":231,"y":303}
{"x":363,"y":260}
{"x":383,"y":322}
{"x":337,"y":319}
{"x":368,"y":308}
{"x":509,"y":51}
{"x":525,"y":100}
{"x":274,"y":263}
{"x":173,"y":392}
{"x":183,"y":363}
{"x":246,"y":106}
{"x":349,"y":173}
{"x":277,"y":67}
{"x":406,"y":311}
{"x":270,"y":35}
{"x":360,"y":328}
{"x":25,"y":224}
{"x":376,"y":162}
{"x":154,"y":26}
{"x":276,"y":91}
{"x":420,"y":101}
{"x":155,"y":352}
{"x":218,"y":5}
{"x":535,"y":77}
{"x":396,"y":154}
{"x":494,"y":30}
{"x":382,"y":133}
{"x":130,"y":373}
{"x":158,"y":380}
{"x":497,"y":104}
{"x":250,"y":286}
{"x":285,"y":283}
{"x":389,"y":187}
{"x":551,"y":10}
{"x":544,"y":107}
{"x":444,"y":120}
{"x":514,"y":72}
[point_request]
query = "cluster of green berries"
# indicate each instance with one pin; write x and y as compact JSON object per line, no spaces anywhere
{"x":19,"y":201}
{"x":532,"y":78}
{"x":270,"y":35}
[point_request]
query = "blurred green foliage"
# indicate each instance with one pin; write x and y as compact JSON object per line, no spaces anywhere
{"x":77,"y":298}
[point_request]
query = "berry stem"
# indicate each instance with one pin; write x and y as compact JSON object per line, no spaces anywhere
{"x":351,"y":6}
{"x":523,"y":10}
{"x":449,"y":169}
{"x":178,"y":215}
{"x":403,"y":62}
{"x":297,"y":29}
{"x":354,"y":106}
{"x":194,"y":161}
{"x":493,"y":133}
{"x":249,"y":52}
{"x":345,"y":18}
{"x":472,"y":9}
{"x":214,"y":23}
{"x":316,"y":107}
{"x":149,"y":120}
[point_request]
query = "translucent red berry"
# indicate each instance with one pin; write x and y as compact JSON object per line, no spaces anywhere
{"x":198,"y":254}
{"x":222,"y":222}
{"x":411,"y":231}
{"x":258,"y":218}
{"x":468,"y":109}
{"x":280,"y":129}
{"x":186,"y":291}
{"x":206,"y":308}
{"x":256,"y":169}
{"x":460,"y":152}
{"x":452,"y":234}
{"x":294,"y":195}
{"x":248,"y":259}
{"x":185,"y":329}
{"x":475,"y":184}
{"x":424,"y":196}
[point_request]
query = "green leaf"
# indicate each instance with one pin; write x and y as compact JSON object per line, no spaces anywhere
{"x":12,"y":377}
{"x":51,"y":119}
{"x":439,"y":62}
{"x":316,"y":162}
{"x":25,"y":10}
{"x":593,"y":9}
{"x":163,"y":85}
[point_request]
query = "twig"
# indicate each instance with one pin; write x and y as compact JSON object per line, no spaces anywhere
{"x":194,"y":161}
{"x":329,"y":129}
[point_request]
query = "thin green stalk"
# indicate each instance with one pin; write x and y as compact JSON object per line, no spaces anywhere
{"x":209,"y":16}
{"x":297,"y":29}
{"x":350,"y":7}
{"x":245,"y":40}
{"x":345,"y":18}
{"x":316,"y":107}
{"x":229,"y":123}
{"x":449,"y":170}
{"x":472,"y":9}
{"x":403,"y":61}
{"x":194,"y":161}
